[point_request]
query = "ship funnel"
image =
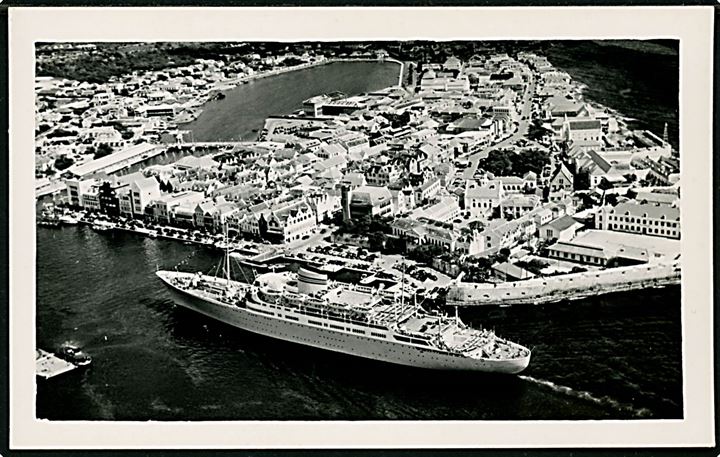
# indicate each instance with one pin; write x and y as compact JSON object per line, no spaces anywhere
{"x":309,"y":281}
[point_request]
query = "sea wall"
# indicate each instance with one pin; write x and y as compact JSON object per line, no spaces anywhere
{"x":565,"y":287}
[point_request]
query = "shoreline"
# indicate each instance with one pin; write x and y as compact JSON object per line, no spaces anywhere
{"x":580,"y":87}
{"x":460,"y":294}
{"x":190,"y":238}
{"x":237,"y":82}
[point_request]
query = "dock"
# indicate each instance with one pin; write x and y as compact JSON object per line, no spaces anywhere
{"x":48,"y":365}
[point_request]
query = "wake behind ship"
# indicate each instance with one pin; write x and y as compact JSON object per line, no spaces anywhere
{"x":309,"y":309}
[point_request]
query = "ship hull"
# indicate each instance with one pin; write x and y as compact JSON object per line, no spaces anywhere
{"x":386,"y":350}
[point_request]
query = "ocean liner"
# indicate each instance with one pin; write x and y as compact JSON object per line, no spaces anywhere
{"x":372,"y":322}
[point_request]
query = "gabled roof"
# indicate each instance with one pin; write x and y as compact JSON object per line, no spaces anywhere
{"x":562,"y":223}
{"x":331,"y":173}
{"x":490,"y":190}
{"x":650,"y":210}
{"x":291,"y":211}
{"x":370,"y":195}
{"x":337,"y":161}
{"x":206,"y":206}
{"x":590,"y":124}
{"x":333,"y":149}
{"x":512,"y":270}
{"x":521,"y":200}
{"x":304,"y":180}
{"x":306,"y":158}
{"x":196,"y":162}
{"x":562,"y":170}
{"x":470,"y":122}
{"x":510,"y":180}
{"x":599,"y":161}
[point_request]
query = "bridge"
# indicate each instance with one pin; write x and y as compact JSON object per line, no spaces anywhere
{"x":209,"y":144}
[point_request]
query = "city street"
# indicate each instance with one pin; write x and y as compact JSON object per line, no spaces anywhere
{"x":519,"y":133}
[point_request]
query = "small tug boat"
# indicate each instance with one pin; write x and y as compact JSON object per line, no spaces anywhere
{"x":74,"y":355}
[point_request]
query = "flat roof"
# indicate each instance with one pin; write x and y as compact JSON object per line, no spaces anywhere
{"x":96,"y":165}
{"x":606,"y":238}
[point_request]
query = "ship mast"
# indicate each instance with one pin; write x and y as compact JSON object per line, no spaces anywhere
{"x":402,"y":290}
{"x":227,"y":256}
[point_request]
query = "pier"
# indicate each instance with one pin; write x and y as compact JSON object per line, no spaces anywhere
{"x":48,"y":365}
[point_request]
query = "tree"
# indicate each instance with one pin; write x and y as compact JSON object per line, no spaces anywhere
{"x":503,"y":254}
{"x":425,"y":253}
{"x":476,"y":225}
{"x":57,"y":133}
{"x":586,"y":201}
{"x":102,"y":151}
{"x":510,"y":163}
{"x":615,"y":262}
{"x":533,"y":160}
{"x":497,"y":162}
{"x":395,"y":245}
{"x":63,"y":162}
{"x":605,"y":184}
{"x":537,"y":132}
{"x":377,"y":241}
{"x":582,"y":180}
{"x":533,"y":265}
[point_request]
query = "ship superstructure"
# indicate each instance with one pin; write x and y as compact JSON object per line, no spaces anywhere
{"x":376,"y":323}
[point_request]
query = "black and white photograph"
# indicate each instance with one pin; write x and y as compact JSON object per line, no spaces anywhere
{"x":317,"y":230}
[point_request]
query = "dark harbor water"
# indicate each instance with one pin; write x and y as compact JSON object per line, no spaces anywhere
{"x":639,"y":79}
{"x":244,"y":109}
{"x":615,"y":356}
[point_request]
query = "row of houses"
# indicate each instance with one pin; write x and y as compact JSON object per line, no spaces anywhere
{"x":283,"y":220}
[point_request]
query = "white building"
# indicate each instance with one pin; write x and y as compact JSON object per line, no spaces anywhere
{"x":141,"y":194}
{"x":643,"y":218}
{"x":481,"y":200}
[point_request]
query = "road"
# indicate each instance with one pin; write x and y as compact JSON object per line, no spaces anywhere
{"x":315,"y":239}
{"x":474,"y":158}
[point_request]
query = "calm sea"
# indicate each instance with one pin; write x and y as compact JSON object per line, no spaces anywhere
{"x":614,"y":356}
